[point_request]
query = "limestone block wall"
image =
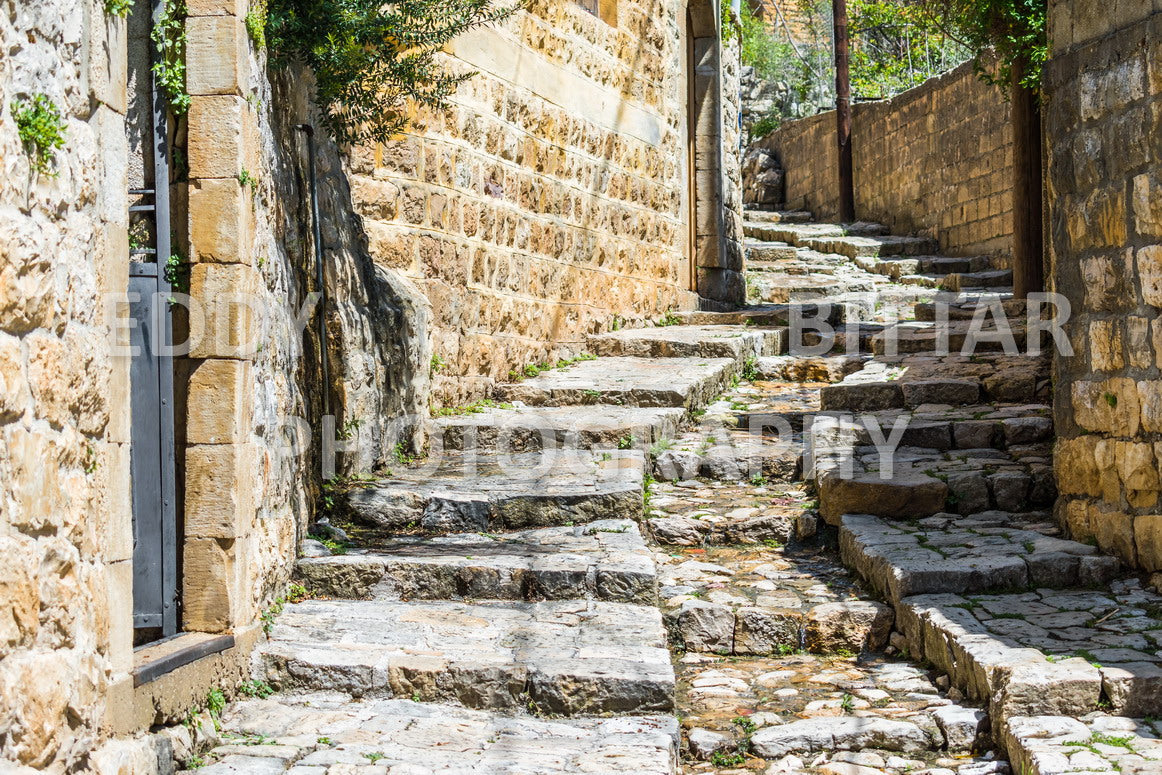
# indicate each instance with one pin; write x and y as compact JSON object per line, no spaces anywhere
{"x":1104,"y":124}
{"x":64,"y":455}
{"x":934,"y":160}
{"x":551,"y":197}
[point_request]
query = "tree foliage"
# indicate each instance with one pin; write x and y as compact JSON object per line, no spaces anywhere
{"x":897,"y":45}
{"x":372,"y":59}
{"x":1014,"y":29}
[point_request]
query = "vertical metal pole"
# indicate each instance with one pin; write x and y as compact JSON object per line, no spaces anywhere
{"x":320,"y":280}
{"x":843,"y":113}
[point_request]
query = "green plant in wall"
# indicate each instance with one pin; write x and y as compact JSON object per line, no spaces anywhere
{"x":1012,"y":30}
{"x":169,"y":35}
{"x":256,"y":22}
{"x":118,"y":8}
{"x":373,"y":61}
{"x":41,"y":129}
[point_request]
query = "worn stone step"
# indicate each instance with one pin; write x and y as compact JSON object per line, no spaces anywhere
{"x":627,"y":381}
{"x":985,"y":552}
{"x":559,"y":657}
{"x":1044,"y":652}
{"x":325,"y":731}
{"x":957,"y":337}
{"x":827,"y":368}
{"x":531,"y":428}
{"x":1099,"y":743}
{"x":604,"y":560}
{"x":954,"y":380}
{"x":482,"y":493}
{"x":799,"y":233}
{"x":865,"y":246}
{"x":769,"y":251}
{"x":737,"y":342}
{"x":776,"y":216}
{"x":935,"y":267}
{"x":780,"y":289}
{"x":998,"y":278}
{"x":963,"y":460}
{"x":779,"y":315}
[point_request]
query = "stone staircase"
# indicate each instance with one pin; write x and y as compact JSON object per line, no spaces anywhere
{"x":696,"y":521}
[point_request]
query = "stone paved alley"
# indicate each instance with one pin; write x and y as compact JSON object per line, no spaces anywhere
{"x":681,"y":594}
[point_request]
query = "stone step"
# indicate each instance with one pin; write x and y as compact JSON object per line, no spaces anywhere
{"x":557,"y":657}
{"x":1044,"y":652}
{"x":769,"y":251}
{"x":962,"y":306}
{"x":683,"y":341}
{"x":531,"y":428}
{"x":604,"y":560}
{"x":775,"y":216}
{"x":798,"y":233}
{"x":914,"y":380}
{"x":986,"y":552}
{"x":328,"y":732}
{"x":780,"y":289}
{"x":954,"y":338}
{"x":471,"y":493}
{"x":627,"y":381}
{"x":931,"y":268}
{"x":1098,"y":743}
{"x":963,"y":460}
{"x":957,"y":281}
{"x":872,"y":246}
{"x":827,"y":368}
{"x":779,"y":315}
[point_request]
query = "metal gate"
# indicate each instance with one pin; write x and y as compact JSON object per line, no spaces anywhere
{"x":155,"y":549}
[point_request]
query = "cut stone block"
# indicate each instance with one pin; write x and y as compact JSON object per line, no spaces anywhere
{"x":574,"y":657}
{"x":689,"y":383}
{"x":329,"y":732}
{"x":690,"y":342}
{"x":839,"y":734}
{"x":479,"y":493}
{"x":605,"y":560}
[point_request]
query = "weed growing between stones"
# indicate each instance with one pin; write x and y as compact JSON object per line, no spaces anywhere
{"x":41,"y":130}
{"x":256,"y":23}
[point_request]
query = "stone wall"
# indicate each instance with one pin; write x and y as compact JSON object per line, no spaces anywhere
{"x":1103,"y":123}
{"x":934,"y":160}
{"x":550,"y":198}
{"x":65,"y":541}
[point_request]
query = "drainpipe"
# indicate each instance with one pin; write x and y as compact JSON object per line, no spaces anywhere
{"x":317,"y":233}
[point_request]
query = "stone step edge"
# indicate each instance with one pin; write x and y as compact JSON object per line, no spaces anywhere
{"x":699,"y":398}
{"x":434,"y":576}
{"x":1014,"y":681}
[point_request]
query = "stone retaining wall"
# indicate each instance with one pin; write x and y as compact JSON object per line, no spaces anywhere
{"x":935,"y":160}
{"x":1103,"y":122}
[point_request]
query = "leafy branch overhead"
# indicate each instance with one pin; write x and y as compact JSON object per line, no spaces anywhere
{"x":1014,"y":29}
{"x":371,"y":59}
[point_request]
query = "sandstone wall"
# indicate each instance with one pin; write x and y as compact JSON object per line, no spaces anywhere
{"x":65,"y":541}
{"x":934,"y":160}
{"x":549,"y":199}
{"x":1103,"y":126}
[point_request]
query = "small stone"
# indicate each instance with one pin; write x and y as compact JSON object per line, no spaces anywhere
{"x":312,"y":548}
{"x":984,"y":768}
{"x":788,"y":765}
{"x":704,"y":743}
{"x":706,"y":627}
{"x":964,"y":729}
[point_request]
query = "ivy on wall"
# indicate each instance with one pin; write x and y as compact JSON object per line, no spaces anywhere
{"x":373,"y":60}
{"x":169,"y":35}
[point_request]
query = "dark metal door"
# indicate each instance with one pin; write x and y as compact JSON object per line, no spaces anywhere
{"x":155,"y":549}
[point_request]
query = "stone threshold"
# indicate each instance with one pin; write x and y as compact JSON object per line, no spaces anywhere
{"x":157,"y":659}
